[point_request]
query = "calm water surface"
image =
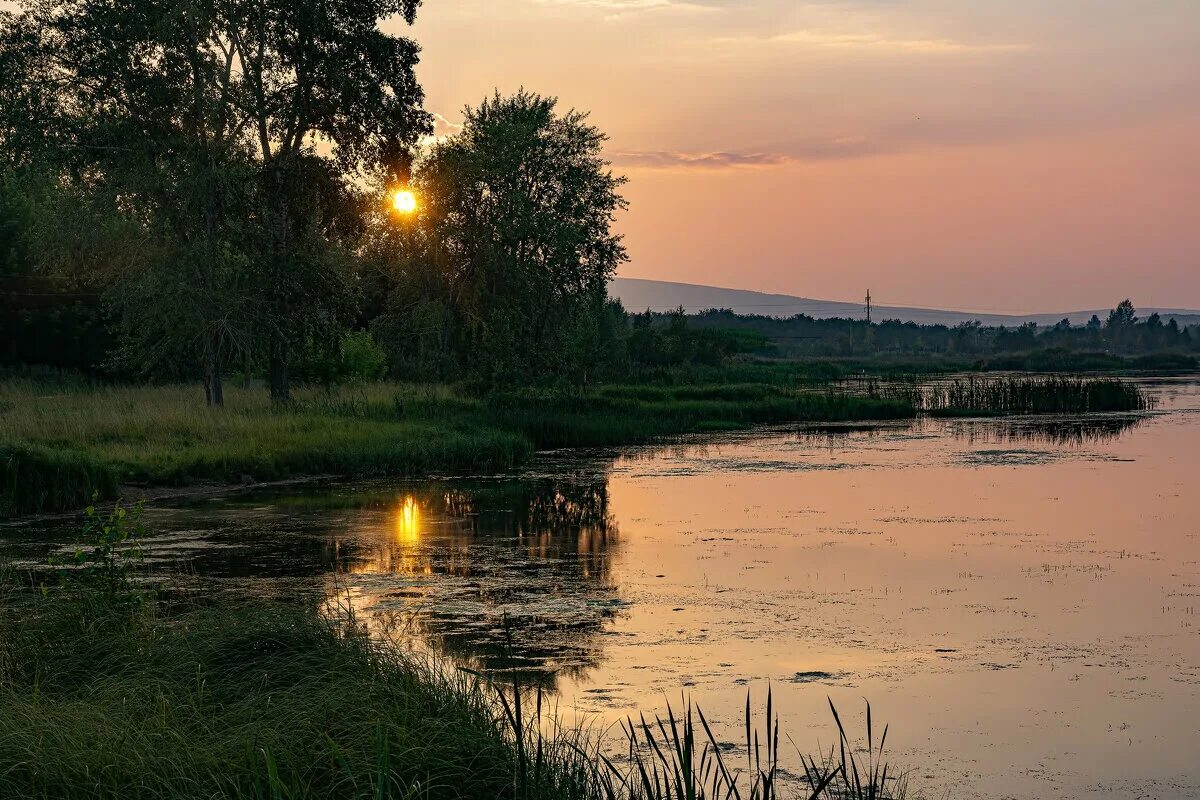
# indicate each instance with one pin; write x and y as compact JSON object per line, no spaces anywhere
{"x":1018,"y":598}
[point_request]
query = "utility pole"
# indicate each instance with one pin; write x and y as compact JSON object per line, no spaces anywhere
{"x":868,"y":306}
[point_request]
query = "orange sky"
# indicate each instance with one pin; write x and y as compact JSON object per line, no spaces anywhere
{"x":996,"y":155}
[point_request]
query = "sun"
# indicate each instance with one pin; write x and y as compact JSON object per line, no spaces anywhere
{"x":404,"y":201}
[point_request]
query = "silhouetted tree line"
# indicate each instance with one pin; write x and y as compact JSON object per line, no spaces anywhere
{"x":194,"y":190}
{"x":1122,"y":333}
{"x":190,"y":190}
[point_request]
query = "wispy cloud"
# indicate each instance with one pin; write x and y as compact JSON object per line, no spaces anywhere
{"x":674,"y":159}
{"x":612,"y":4}
{"x":623,"y":9}
{"x":843,"y":40}
{"x":785,"y":152}
{"x":442,"y":129}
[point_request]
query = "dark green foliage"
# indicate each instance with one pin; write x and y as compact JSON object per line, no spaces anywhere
{"x":355,"y":358}
{"x":34,"y":479}
{"x":225,"y":140}
{"x":804,"y":336}
{"x":503,"y":274}
{"x":239,"y":700}
{"x":47,"y":319}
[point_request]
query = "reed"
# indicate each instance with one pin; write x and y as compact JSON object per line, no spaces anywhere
{"x":1032,"y":395}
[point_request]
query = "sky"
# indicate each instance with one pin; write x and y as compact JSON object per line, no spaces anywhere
{"x":991,"y":155}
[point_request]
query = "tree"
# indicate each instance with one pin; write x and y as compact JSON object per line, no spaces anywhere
{"x":516,"y":236}
{"x":315,"y":71}
{"x":1121,"y":317}
{"x":232,"y":130}
{"x":129,"y":105}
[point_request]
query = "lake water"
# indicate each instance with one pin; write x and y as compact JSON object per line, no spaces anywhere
{"x":1019,"y":598}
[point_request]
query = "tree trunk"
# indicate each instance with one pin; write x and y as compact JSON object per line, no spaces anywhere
{"x":214,"y":390}
{"x":281,"y":393}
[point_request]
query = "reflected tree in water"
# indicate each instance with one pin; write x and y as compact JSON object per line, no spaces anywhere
{"x":498,"y":575}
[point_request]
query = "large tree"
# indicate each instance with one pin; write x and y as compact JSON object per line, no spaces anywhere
{"x":517,"y":230}
{"x":127,"y":103}
{"x":232,"y":131}
{"x":329,"y":96}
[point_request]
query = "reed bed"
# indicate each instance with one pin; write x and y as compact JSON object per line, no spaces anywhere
{"x":976,"y":396}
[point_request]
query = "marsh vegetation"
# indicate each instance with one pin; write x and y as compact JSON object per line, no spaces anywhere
{"x":271,"y":699}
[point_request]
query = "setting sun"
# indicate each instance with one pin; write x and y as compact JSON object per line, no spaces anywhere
{"x":404,"y":201}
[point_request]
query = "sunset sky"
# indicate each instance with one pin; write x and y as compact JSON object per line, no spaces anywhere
{"x":995,"y":155}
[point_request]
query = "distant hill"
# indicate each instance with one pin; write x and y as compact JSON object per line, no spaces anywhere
{"x":637,"y":294}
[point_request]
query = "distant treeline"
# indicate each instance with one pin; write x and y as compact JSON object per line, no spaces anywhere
{"x":1122,"y":338}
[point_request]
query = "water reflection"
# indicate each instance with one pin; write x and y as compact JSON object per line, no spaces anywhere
{"x":1068,"y":432}
{"x":499,"y":574}
{"x":1039,"y":430}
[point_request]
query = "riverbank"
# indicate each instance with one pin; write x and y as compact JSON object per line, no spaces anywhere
{"x":62,"y":445}
{"x":107,"y":696}
{"x":121,"y":694}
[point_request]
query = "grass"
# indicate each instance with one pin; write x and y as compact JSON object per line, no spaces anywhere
{"x":34,"y":477}
{"x":104,"y":697}
{"x":60,"y":442}
{"x":1030,"y":395}
{"x":240,"y":700}
{"x":1061,"y":360}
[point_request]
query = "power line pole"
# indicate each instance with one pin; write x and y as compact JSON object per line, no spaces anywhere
{"x":868,"y":306}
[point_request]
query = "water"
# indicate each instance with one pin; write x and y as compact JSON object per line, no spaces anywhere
{"x":1018,"y":598}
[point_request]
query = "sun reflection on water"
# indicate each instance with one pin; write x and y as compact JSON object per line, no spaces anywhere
{"x":408,"y":521}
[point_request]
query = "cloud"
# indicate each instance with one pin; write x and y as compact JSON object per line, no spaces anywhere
{"x":786,"y":153}
{"x":670,"y":159}
{"x":442,"y":129}
{"x":623,"y":9}
{"x":884,"y":43}
{"x":615,"y":5}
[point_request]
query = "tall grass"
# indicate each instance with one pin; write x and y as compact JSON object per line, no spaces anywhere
{"x":1031,"y":395}
{"x":261,"y":699}
{"x":34,"y":478}
{"x":670,"y":759}
{"x":62,"y":442}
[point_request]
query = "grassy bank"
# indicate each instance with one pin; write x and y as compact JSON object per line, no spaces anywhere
{"x":113,"y":687}
{"x":251,"y":699}
{"x":62,"y":443}
{"x":106,"y":696}
{"x":59,"y":442}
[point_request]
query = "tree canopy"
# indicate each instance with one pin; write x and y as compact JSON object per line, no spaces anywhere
{"x":231,"y":133}
{"x":510,"y":259}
